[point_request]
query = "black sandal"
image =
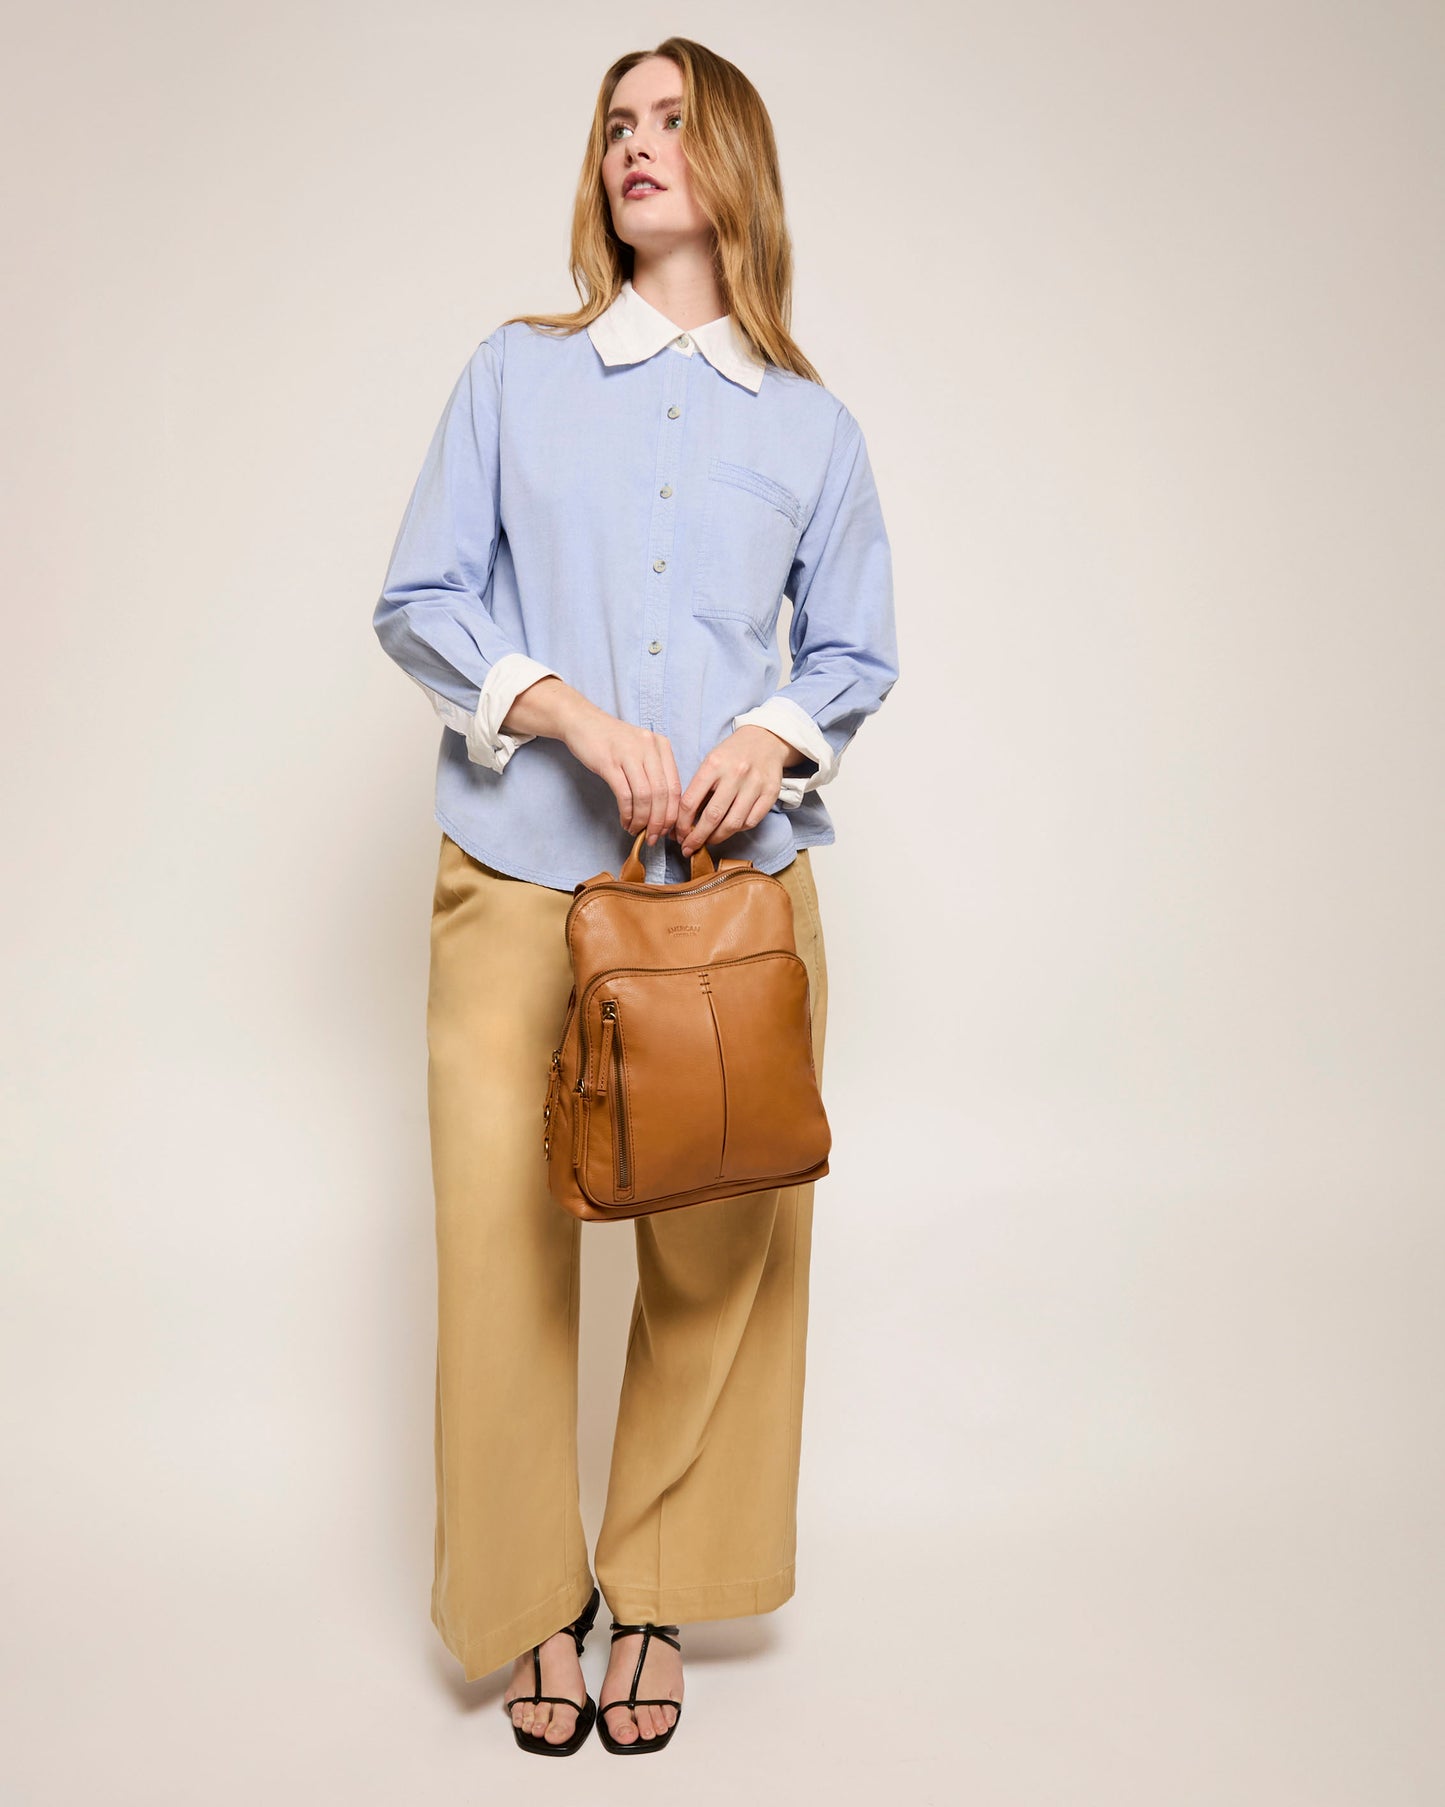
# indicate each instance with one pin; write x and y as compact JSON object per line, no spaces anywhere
{"x":668,"y":1634}
{"x":586,"y":1712}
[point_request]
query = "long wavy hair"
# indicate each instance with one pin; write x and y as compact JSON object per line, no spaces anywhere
{"x":732,"y":160}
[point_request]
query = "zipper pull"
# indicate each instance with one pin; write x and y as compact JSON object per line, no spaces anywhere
{"x":609,"y":1026}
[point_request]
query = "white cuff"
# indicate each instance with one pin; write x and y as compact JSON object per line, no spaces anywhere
{"x":509,"y":677}
{"x":785,"y":718}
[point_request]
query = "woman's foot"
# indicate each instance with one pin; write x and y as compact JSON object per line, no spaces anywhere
{"x":561,"y":1674}
{"x":661,"y":1676}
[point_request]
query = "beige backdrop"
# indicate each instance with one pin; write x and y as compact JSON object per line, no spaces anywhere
{"x":1122,"y":1469}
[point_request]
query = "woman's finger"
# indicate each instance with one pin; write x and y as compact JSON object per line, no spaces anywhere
{"x":674,"y":785}
{"x":657,"y":772}
{"x":713,"y":812}
{"x":634,"y":793}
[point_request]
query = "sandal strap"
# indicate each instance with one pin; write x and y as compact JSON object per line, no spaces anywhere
{"x":668,"y":1635}
{"x":669,"y":1702}
{"x":532,"y":1700}
{"x":582,"y":1624}
{"x":577,"y":1630}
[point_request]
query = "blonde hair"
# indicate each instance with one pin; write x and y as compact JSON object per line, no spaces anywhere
{"x":732,"y":160}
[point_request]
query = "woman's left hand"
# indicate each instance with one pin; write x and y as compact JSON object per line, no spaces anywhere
{"x":734,"y":788}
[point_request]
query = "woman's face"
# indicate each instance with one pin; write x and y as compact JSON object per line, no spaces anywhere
{"x":644,"y":169}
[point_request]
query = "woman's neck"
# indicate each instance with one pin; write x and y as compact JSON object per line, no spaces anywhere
{"x":683,"y":288}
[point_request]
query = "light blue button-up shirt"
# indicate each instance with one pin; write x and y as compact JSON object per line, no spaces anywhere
{"x":613,"y":508}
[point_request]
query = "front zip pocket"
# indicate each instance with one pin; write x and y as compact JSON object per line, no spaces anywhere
{"x":611,"y":1069}
{"x":653,"y":1113}
{"x":681,"y":1091}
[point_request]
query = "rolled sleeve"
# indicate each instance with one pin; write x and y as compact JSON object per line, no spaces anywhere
{"x":843,"y":636}
{"x":505,"y":682}
{"x":432,"y":617}
{"x":793,"y":724}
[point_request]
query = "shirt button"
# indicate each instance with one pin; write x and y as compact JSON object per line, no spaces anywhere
{"x":683,"y":339}
{"x":654,"y":646}
{"x":666,"y":490}
{"x":659,"y":564}
{"x":673,"y":413}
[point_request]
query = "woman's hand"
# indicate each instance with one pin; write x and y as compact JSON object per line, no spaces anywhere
{"x":636,"y":762}
{"x":736,"y":784}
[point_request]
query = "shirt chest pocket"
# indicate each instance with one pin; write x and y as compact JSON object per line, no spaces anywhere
{"x":751,"y":526}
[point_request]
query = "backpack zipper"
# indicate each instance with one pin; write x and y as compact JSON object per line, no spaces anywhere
{"x":610,"y":1059}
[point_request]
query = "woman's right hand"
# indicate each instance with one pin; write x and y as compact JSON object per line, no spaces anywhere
{"x":636,"y":762}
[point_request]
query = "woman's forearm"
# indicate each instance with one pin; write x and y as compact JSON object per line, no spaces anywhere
{"x":550,"y":705}
{"x":546,"y":708}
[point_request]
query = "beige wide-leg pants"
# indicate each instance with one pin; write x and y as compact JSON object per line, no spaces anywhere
{"x":701,"y":1511}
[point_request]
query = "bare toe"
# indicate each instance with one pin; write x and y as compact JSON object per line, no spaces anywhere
{"x":564,"y":1723}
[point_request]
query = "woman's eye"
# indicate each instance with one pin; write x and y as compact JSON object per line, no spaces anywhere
{"x":619,"y":127}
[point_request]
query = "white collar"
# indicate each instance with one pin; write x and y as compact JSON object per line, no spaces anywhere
{"x":632,"y":329}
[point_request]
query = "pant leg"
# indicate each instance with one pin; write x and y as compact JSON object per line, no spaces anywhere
{"x":510,"y":1558}
{"x":701,"y":1512}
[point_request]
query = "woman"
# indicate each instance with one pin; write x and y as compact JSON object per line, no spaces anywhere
{"x":587,"y":583}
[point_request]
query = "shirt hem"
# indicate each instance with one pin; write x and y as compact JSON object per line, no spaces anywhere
{"x":554,"y":883}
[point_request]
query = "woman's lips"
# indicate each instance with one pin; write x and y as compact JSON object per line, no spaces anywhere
{"x":640,"y":191}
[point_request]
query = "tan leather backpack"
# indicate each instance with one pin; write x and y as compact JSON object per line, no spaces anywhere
{"x":685,"y":1067}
